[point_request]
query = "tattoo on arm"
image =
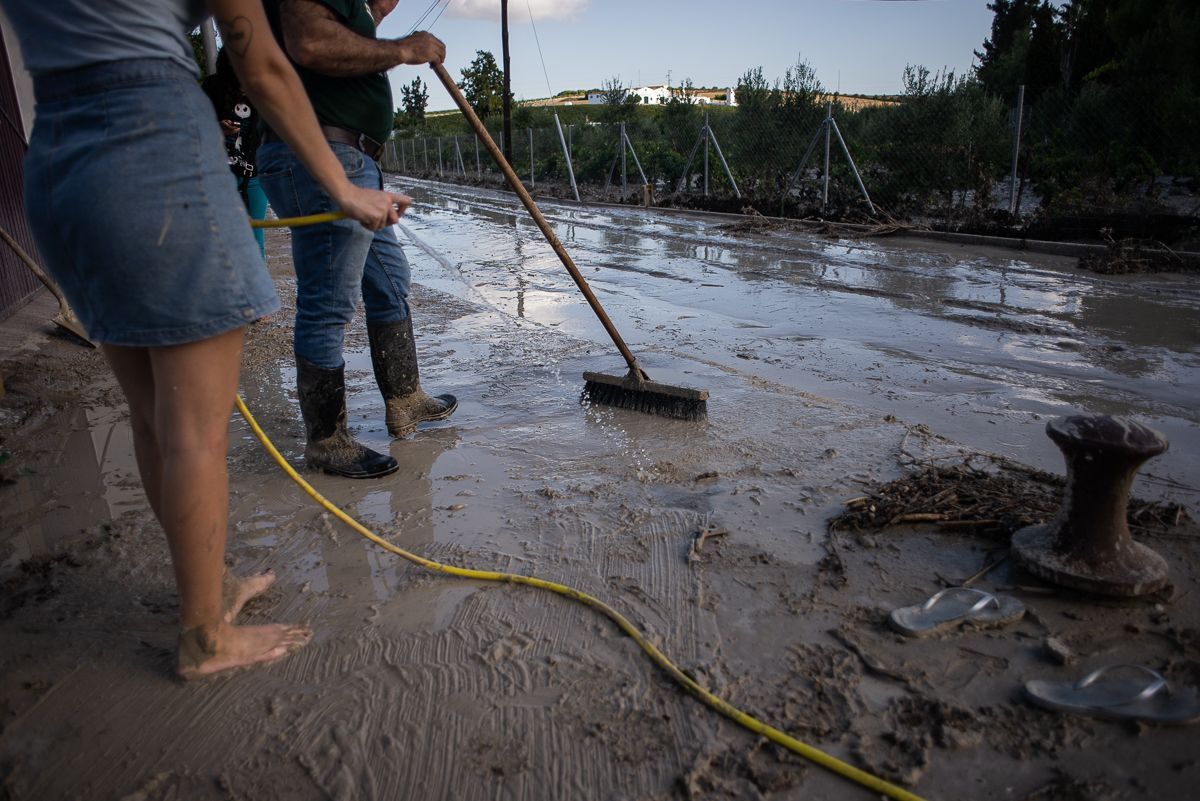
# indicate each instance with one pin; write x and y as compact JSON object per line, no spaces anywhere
{"x":237,"y":33}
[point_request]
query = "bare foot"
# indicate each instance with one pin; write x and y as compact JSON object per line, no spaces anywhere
{"x":206,"y":650}
{"x":236,"y":591}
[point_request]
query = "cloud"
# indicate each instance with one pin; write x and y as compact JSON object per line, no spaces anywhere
{"x":517,"y":11}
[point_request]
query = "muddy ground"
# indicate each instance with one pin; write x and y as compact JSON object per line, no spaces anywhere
{"x":834,"y":365}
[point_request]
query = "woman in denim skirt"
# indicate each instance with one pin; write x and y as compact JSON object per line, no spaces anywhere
{"x":137,"y":215}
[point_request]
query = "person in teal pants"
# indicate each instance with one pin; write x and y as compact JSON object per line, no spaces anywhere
{"x":240,"y":124}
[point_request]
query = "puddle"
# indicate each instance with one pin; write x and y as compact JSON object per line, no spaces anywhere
{"x":983,"y":348}
{"x":85,"y":474}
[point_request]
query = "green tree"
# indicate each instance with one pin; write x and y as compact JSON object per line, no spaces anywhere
{"x":414,"y":99}
{"x":801,"y":107}
{"x":1114,"y":87}
{"x":482,"y":84}
{"x":755,"y":97}
{"x":681,"y":117}
{"x":757,"y":146}
{"x":801,"y":87}
{"x":1025,"y":48}
{"x":619,"y":102}
{"x":685,"y":94}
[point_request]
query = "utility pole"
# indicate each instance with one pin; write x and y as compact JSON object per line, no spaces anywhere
{"x":506,"y":106}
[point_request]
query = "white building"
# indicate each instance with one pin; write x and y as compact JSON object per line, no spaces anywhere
{"x":659,"y":95}
{"x":652,"y":95}
{"x":649,"y":95}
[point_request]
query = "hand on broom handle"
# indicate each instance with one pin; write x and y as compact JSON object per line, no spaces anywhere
{"x":536,"y":213}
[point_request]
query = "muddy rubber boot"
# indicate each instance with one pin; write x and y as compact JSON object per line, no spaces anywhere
{"x":394,"y":357}
{"x":330,"y":448}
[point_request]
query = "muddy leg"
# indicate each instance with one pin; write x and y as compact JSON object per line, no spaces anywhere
{"x":191,"y":389}
{"x":237,"y":590}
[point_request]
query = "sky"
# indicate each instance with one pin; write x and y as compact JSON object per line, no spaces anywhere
{"x":859,"y":46}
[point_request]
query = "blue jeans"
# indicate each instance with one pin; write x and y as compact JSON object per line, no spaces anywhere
{"x":335,"y":262}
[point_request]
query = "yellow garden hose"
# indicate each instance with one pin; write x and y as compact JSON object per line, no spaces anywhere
{"x":758,"y":727}
{"x":658,"y":657}
{"x":296,"y":222}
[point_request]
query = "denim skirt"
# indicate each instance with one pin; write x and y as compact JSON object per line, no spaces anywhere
{"x":134,"y":208}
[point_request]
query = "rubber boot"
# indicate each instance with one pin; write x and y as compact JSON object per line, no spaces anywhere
{"x":330,"y":448}
{"x":394,"y":357}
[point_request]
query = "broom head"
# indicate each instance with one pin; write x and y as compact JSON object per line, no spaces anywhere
{"x":640,"y":394}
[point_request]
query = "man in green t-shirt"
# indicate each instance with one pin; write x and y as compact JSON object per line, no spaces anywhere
{"x":343,"y":66}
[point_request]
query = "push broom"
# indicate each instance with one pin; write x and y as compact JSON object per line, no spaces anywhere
{"x":65,"y":319}
{"x":634,"y":390}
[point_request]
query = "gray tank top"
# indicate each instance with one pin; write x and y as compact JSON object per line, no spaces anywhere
{"x":65,"y":34}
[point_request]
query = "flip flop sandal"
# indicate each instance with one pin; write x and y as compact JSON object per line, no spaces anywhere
{"x":1145,"y":697}
{"x":953,"y":607}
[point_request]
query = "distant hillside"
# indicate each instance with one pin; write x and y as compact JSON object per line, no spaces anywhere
{"x":717,"y":96}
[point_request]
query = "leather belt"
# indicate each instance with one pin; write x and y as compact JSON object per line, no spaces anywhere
{"x":344,"y":136}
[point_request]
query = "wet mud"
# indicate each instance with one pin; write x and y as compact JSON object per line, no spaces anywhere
{"x":821,"y":355}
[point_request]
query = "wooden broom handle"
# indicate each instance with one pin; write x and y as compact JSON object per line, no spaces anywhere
{"x":534,"y":212}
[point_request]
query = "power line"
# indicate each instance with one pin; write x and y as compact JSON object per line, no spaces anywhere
{"x":439,"y":15}
{"x":421,"y":19}
{"x":549,"y":91}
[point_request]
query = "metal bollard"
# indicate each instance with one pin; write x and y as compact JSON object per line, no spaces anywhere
{"x":1087,"y":546}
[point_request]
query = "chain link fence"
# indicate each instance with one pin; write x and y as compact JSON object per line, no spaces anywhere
{"x":944,"y":156}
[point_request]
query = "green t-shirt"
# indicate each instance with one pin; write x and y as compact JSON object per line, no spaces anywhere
{"x":362,"y":103}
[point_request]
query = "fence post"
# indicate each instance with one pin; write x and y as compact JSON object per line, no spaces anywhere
{"x":532,"y":176}
{"x":624,"y":176}
{"x":478,"y":166}
{"x":1016,"y":125}
{"x":706,"y":144}
{"x":825,"y":183}
{"x":721,"y":157}
{"x":425,"y":150}
{"x":567,"y":155}
{"x":850,"y":160}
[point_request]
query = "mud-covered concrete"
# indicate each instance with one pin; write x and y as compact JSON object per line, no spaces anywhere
{"x":820,"y":356}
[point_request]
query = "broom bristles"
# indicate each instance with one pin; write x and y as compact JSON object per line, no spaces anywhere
{"x":680,"y":403}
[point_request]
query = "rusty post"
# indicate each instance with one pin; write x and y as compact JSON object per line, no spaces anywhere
{"x":1088,"y":546}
